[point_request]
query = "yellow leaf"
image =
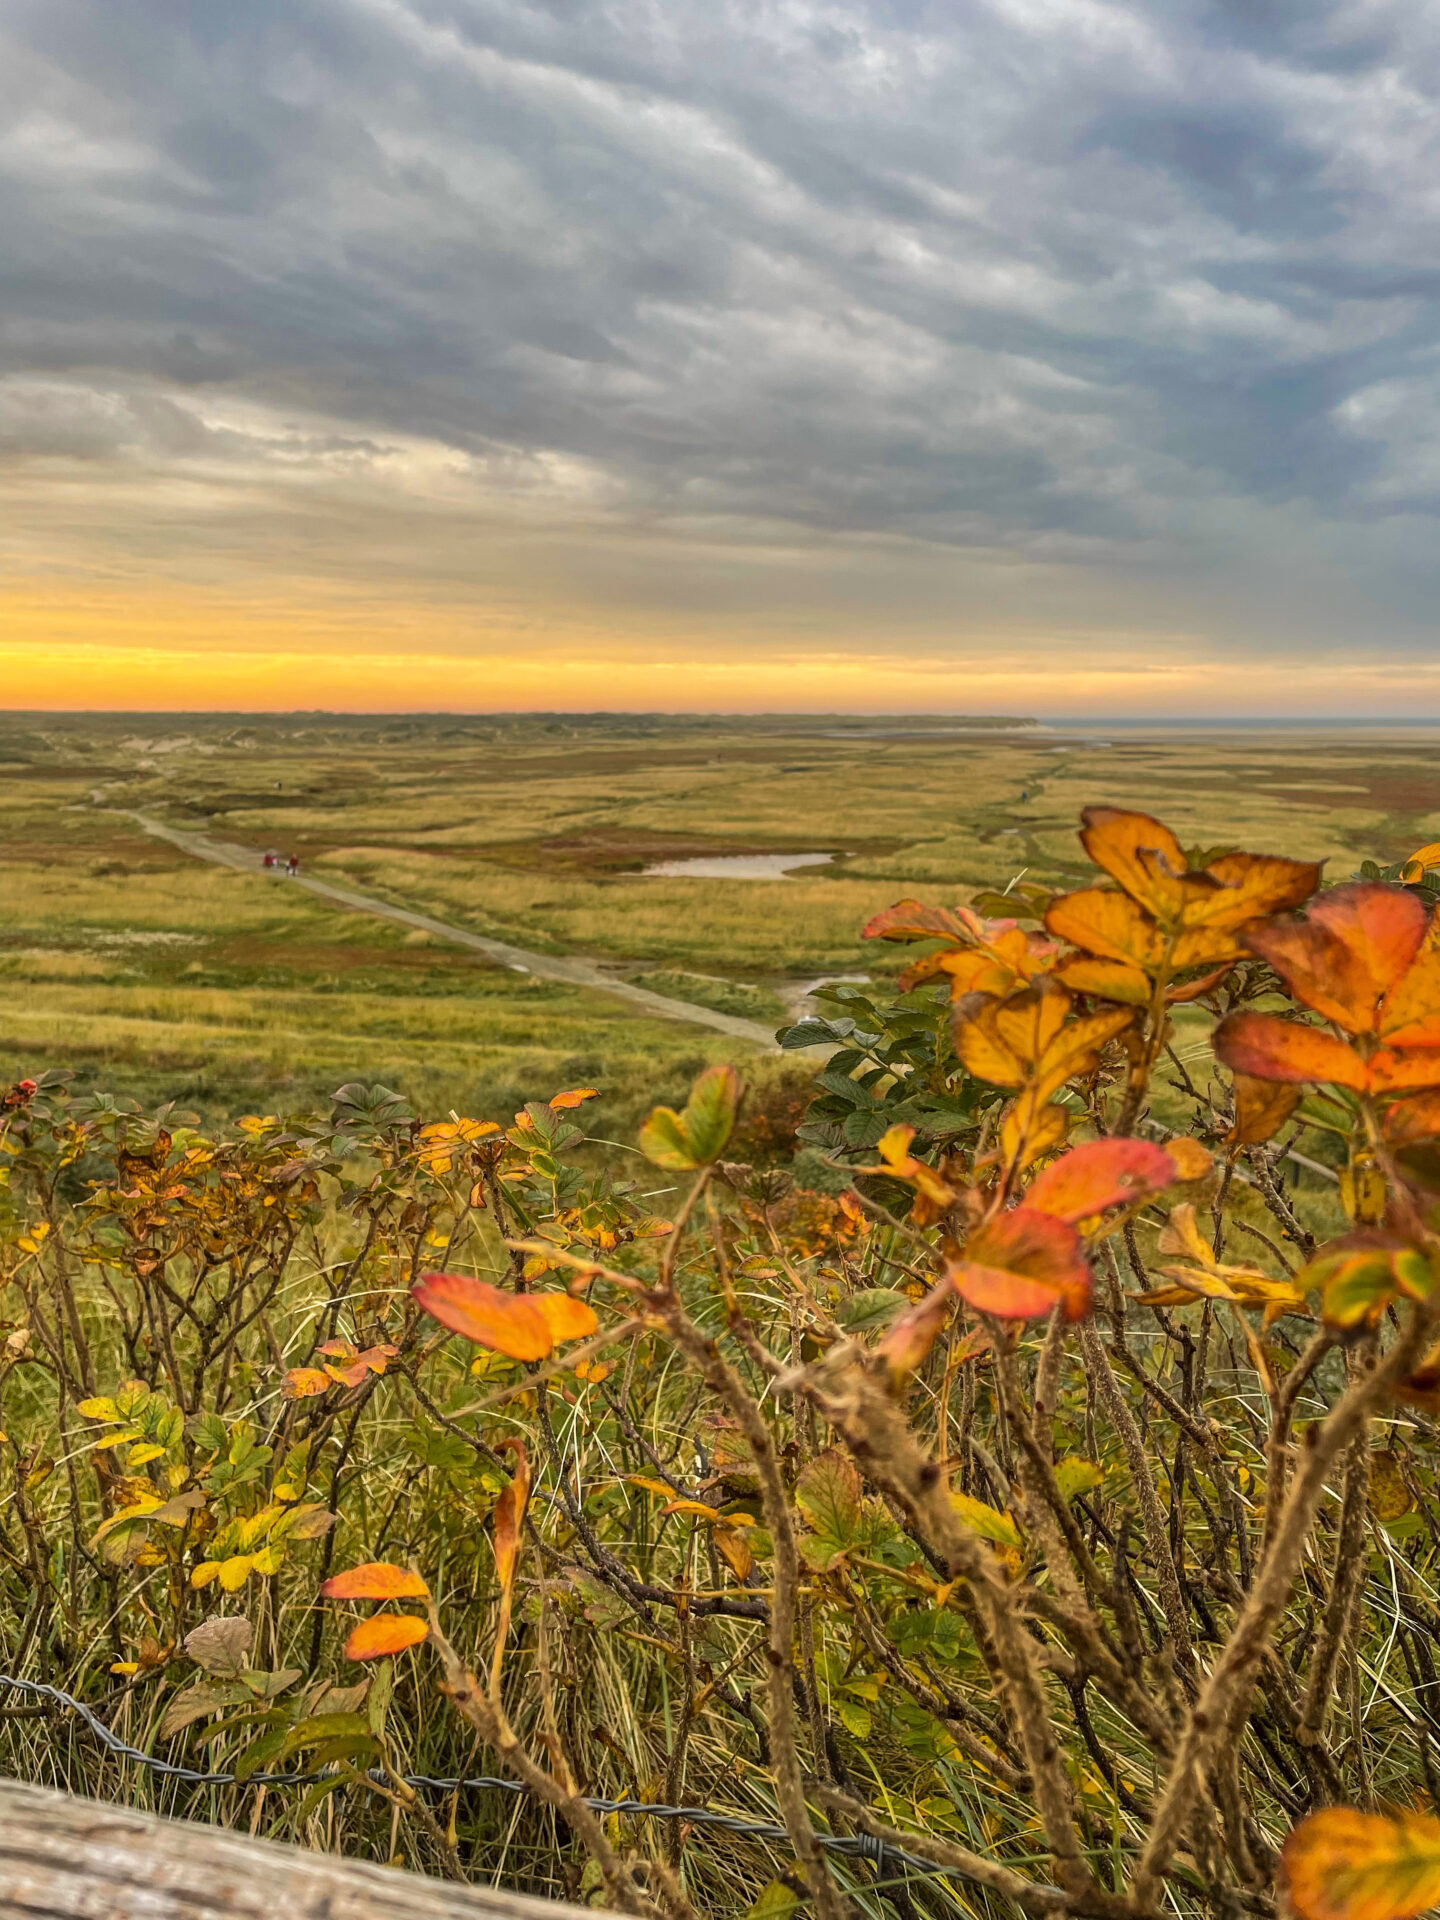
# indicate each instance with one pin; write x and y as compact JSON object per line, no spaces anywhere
{"x":234,"y":1572}
{"x":1342,"y":1864}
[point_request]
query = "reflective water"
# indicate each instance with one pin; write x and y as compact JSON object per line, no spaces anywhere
{"x":739,"y":866}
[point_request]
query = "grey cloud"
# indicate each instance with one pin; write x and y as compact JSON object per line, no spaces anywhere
{"x":1080,"y":275}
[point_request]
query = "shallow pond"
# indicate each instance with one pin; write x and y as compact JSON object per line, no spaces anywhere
{"x":738,"y":866}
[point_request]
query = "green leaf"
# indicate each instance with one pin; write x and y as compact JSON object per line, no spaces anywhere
{"x":323,"y":1728}
{"x":709,"y":1114}
{"x":855,"y":1718}
{"x":776,"y":1902}
{"x":872,"y":1308}
{"x":662,"y":1139}
{"x":828,"y":1494}
{"x":1077,"y":1476}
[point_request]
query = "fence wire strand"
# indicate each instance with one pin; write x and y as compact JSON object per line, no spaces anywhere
{"x":863,"y":1846}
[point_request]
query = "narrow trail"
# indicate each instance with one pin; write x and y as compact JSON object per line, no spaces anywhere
{"x":545,"y":966}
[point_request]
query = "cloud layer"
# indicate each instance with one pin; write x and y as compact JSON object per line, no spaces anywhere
{"x":1027,"y":317}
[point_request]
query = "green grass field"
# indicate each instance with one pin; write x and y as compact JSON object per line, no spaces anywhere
{"x":163,"y":976}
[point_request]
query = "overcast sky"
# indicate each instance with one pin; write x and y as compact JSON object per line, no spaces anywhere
{"x":1008,"y":354}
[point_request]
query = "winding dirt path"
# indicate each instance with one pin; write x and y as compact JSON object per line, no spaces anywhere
{"x":545,"y":966}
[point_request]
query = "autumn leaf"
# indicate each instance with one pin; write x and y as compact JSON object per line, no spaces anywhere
{"x":1359,"y":1275}
{"x":509,"y":1521}
{"x":301,"y":1383}
{"x":384,"y":1634}
{"x":1109,"y":924}
{"x":914,"y":1332}
{"x":1355,"y":944}
{"x":1021,"y":1265}
{"x":897,"y":1161}
{"x":1261,"y":1108}
{"x":576,"y":1097}
{"x":1029,"y":1039}
{"x":508,"y":1323}
{"x":735,"y":1550}
{"x":1142,"y":855}
{"x":375,"y":1580}
{"x":1342,"y":1864}
{"x":1420,"y":862}
{"x":566,"y":1317}
{"x":910,"y":920}
{"x":1265,"y":1047}
{"x":697,"y":1136}
{"x":1151,"y":866}
{"x":1100,"y":1174}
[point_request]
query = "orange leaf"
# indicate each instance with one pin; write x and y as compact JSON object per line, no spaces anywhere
{"x":1268,"y":1048}
{"x":1190,"y":1159}
{"x":508,"y":1323}
{"x":1109,"y":924}
{"x":1261,"y":1108}
{"x":1393,"y":1071}
{"x":561,"y":1102}
{"x":1143,"y":856}
{"x":510,"y":1516}
{"x":1100,"y":1174}
{"x":1251,"y":884}
{"x":1410,"y":1011}
{"x":735,"y":1550}
{"x":376,"y":1580}
{"x":565,"y":1316}
{"x":1028,"y":1041}
{"x":1355,"y":944}
{"x":1342,"y":1864}
{"x":509,"y":1520}
{"x":1021,"y":1264}
{"x":386,"y":1633}
{"x":1105,"y":979}
{"x":915,"y":1331}
{"x":1410,"y":1121}
{"x":301,"y":1382}
{"x":1421,"y":861}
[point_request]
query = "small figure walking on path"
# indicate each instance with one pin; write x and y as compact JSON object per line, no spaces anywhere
{"x":272,"y":860}
{"x":292,"y":865}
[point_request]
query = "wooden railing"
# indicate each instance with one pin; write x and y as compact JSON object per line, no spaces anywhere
{"x":69,"y":1859}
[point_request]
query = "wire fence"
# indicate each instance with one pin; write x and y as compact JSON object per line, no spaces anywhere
{"x":881,"y":1853}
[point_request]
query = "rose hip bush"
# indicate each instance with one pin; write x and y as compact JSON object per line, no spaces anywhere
{"x":1053,"y":1498}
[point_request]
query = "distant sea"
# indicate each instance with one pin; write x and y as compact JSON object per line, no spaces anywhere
{"x":1229,"y":723}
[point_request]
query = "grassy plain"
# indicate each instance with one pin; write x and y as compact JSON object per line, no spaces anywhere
{"x":164,"y":977}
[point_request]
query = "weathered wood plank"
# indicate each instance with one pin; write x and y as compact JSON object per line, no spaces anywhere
{"x":67,"y":1859}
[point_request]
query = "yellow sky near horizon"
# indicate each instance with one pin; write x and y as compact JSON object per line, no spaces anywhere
{"x":176,"y":647}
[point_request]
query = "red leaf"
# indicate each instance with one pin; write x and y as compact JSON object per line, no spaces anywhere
{"x":1100,"y":1174}
{"x":508,"y":1323}
{"x":1268,"y":1048}
{"x":1021,"y":1264}
{"x":1354,"y":945}
{"x":910,"y":920}
{"x":375,"y":1580}
{"x":386,"y":1633}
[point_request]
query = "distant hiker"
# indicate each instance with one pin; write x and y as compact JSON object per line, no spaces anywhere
{"x":292,"y":866}
{"x":271,"y":860}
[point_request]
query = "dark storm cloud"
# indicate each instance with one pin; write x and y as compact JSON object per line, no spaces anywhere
{"x":1058,"y":276}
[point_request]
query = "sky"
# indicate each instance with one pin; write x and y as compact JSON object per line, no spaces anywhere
{"x":1057,"y":356}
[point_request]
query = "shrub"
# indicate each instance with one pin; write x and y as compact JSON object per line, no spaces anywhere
{"x":1056,"y":1502}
